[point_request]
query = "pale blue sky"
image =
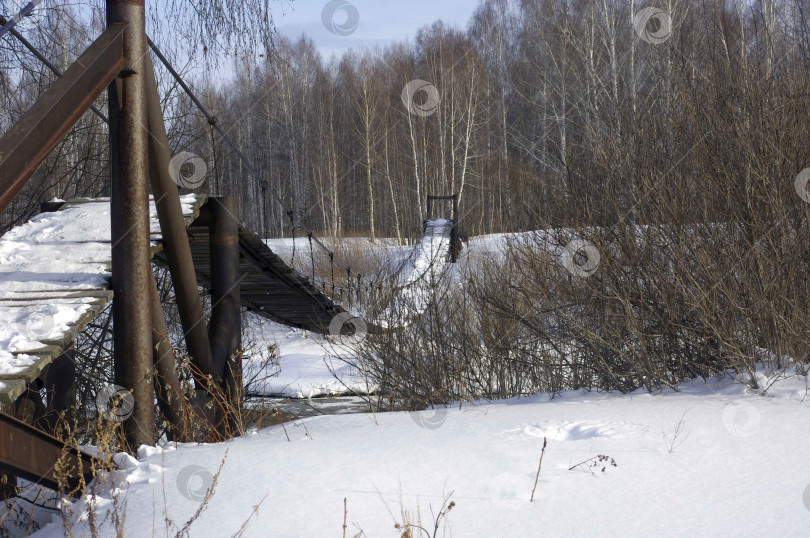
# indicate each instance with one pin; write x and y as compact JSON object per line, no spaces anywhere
{"x":380,"y":21}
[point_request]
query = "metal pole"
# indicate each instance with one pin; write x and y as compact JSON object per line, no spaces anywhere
{"x":131,"y":266}
{"x":175,"y":237}
{"x":226,"y":330}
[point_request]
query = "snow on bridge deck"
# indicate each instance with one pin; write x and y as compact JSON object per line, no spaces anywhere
{"x":55,"y":275}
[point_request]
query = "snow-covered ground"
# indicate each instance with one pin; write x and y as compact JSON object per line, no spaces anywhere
{"x":307,"y":364}
{"x":713,"y":459}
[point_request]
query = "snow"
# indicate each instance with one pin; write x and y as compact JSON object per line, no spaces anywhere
{"x":737,"y":467}
{"x":23,"y":327}
{"x":308,"y":364}
{"x":432,"y":252}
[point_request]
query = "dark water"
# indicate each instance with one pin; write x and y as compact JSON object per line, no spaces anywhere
{"x":307,"y":407}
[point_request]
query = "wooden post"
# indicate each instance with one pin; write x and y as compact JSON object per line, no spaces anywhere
{"x":225,"y":331}
{"x":131,"y":265}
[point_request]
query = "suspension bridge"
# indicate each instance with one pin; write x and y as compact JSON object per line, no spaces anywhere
{"x":61,"y":269}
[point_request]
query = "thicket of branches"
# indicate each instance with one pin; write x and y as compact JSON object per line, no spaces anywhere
{"x":676,"y":162}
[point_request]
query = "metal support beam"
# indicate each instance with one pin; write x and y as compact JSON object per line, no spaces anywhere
{"x":131,"y":265}
{"x":26,"y":145}
{"x":225,"y":332}
{"x":32,"y":454}
{"x":175,"y":238}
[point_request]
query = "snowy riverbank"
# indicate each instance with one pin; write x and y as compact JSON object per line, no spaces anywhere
{"x":738,"y":465}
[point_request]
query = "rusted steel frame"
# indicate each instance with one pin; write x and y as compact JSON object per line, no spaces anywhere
{"x":26,"y":145}
{"x":170,"y":396}
{"x":175,"y":237}
{"x":33,"y":454}
{"x":131,"y":257}
{"x":225,"y":331}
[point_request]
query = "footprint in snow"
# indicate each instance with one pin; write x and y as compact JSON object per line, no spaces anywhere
{"x":565,"y":430}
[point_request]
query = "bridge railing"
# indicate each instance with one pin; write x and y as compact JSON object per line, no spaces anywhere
{"x":452,"y":216}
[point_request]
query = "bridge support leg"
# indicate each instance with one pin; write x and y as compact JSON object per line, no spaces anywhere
{"x":175,"y":238}
{"x":131,"y":266}
{"x":60,"y":385}
{"x":225,"y":331}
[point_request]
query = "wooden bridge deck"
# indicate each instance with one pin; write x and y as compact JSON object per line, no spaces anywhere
{"x":268,"y":286}
{"x":55,"y":275}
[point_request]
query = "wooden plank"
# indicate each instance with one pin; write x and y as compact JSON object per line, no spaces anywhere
{"x":71,"y":301}
{"x":11,"y":389}
{"x":102,"y":294}
{"x":74,"y":329}
{"x":29,"y":372}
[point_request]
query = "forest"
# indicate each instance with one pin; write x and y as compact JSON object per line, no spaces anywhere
{"x":548,"y":113}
